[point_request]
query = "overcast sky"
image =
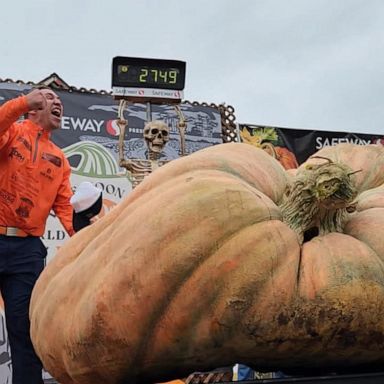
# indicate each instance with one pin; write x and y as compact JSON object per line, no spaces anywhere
{"x":314,"y":64}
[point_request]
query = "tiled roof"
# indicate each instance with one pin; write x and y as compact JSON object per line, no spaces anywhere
{"x":55,"y":81}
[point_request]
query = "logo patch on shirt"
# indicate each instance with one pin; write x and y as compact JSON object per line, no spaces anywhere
{"x":24,"y":208}
{"x":25,"y":143}
{"x":7,"y":197}
{"x":55,"y":160}
{"x":47,"y":174}
{"x":15,"y":154}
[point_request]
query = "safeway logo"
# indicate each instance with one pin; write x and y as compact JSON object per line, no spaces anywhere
{"x":141,"y":92}
{"x":81,"y":124}
{"x":113,"y":128}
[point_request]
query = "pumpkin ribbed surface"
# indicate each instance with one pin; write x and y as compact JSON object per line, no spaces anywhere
{"x":196,"y":269}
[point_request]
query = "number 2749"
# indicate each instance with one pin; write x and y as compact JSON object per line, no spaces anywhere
{"x":158,"y":76}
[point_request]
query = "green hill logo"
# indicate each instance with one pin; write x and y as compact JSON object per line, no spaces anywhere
{"x":95,"y":160}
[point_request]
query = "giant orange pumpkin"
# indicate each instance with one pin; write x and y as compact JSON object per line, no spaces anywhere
{"x":204,"y":265}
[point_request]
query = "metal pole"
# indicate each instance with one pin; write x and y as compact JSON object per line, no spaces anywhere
{"x":149,"y":112}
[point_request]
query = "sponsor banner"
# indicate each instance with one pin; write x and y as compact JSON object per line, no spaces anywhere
{"x":293,"y":146}
{"x":151,"y":93}
{"x":92,"y":117}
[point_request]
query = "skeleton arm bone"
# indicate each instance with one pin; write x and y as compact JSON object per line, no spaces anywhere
{"x":136,"y":166}
{"x":122,"y":123}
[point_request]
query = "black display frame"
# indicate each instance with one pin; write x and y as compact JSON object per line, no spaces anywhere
{"x":151,"y":64}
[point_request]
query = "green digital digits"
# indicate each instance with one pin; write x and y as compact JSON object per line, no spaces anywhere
{"x":172,"y":77}
{"x":163,"y":76}
{"x":157,"y":76}
{"x":154,"y":73}
{"x":143,"y":75}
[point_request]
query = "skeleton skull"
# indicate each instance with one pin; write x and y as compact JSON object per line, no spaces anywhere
{"x":156,"y":135}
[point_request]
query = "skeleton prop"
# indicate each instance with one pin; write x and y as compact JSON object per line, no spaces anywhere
{"x":156,"y":135}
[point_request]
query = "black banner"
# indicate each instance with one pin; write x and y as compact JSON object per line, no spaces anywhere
{"x":92,"y":117}
{"x":293,"y":146}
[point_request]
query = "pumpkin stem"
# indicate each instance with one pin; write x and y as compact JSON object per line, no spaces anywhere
{"x":319,"y":197}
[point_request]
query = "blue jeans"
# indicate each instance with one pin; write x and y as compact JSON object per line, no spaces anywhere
{"x":21,"y":261}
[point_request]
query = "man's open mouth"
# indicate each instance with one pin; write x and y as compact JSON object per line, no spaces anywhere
{"x":56,"y":112}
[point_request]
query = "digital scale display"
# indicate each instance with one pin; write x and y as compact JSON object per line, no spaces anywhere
{"x":151,"y":79}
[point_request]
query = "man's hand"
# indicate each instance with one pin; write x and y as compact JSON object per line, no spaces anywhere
{"x":36,"y":100}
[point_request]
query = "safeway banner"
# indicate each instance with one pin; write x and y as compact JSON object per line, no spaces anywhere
{"x":291,"y":147}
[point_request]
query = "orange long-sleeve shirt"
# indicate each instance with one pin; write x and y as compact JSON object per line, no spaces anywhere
{"x":34,"y":174}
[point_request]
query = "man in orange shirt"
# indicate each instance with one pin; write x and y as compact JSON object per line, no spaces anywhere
{"x":34,"y":178}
